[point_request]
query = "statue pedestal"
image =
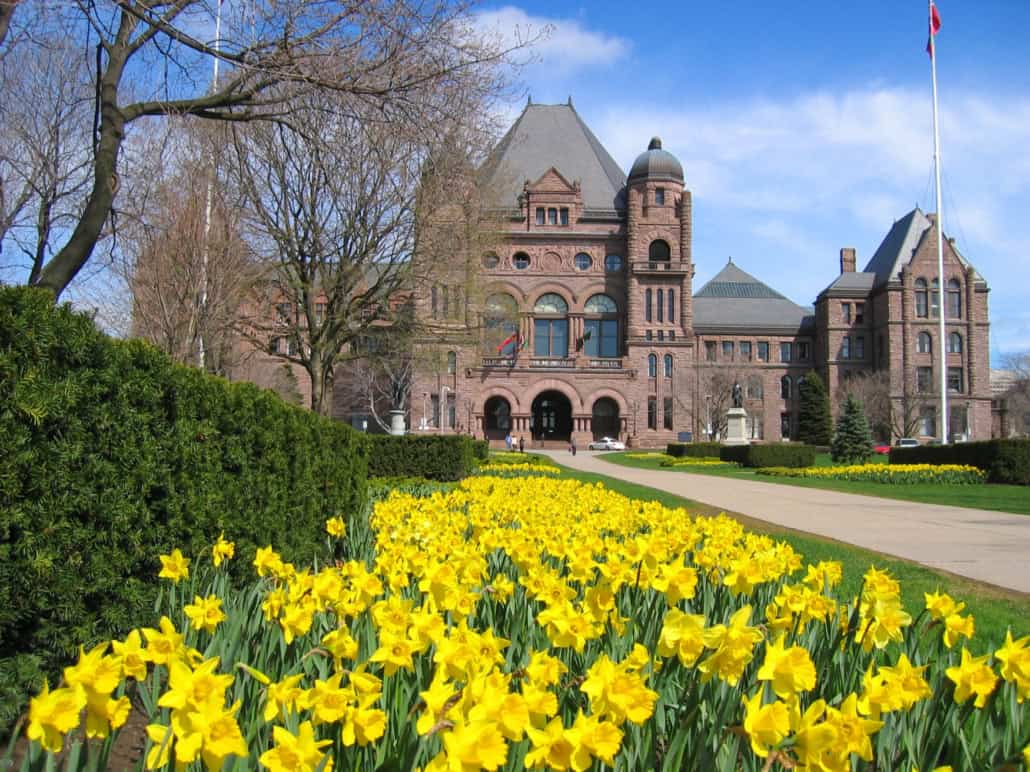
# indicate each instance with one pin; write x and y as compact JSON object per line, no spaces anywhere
{"x":397,"y":422}
{"x":736,"y":432}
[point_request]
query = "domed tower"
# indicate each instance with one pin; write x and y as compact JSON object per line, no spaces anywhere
{"x":658,"y":236}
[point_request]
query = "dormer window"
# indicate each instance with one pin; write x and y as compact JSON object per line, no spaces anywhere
{"x":563,"y":216}
{"x":659,"y":197}
{"x":552,"y":216}
{"x":539,"y":215}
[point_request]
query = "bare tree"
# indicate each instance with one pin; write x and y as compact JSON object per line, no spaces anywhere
{"x":872,"y":390}
{"x":715,"y":397}
{"x":151,"y":62}
{"x":187,"y":265}
{"x":1014,"y":401}
{"x":44,"y":151}
{"x":7,"y":8}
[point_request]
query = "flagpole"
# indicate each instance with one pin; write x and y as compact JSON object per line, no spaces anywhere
{"x":207,"y":203}
{"x":943,"y":365}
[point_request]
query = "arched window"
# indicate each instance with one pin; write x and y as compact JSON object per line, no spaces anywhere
{"x":955,"y":343}
{"x":658,"y":251}
{"x":754,"y":387}
{"x":500,"y":320}
{"x":954,"y":299}
{"x":672,"y":306}
{"x":925,"y":343}
{"x":433,"y":300}
{"x":520,"y":261}
{"x":452,"y":362}
{"x":647,"y":305}
{"x":652,"y":365}
{"x":601,"y":327}
{"x":446,"y":302}
{"x":785,"y":385}
{"x":668,"y":365}
{"x":661,"y":305}
{"x":551,"y":326}
{"x":922,"y":302}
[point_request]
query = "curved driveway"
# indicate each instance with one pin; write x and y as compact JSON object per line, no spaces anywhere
{"x":988,"y":546}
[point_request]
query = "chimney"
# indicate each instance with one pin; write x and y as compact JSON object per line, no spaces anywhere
{"x":847,"y":260}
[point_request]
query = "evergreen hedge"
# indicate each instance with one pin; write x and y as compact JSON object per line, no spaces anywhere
{"x":1004,"y":461}
{"x":445,"y":457}
{"x":693,"y":449}
{"x":111,"y":455}
{"x":791,"y":455}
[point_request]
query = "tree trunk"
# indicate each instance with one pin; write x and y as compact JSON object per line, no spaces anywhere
{"x":6,"y":13}
{"x":59,"y":272}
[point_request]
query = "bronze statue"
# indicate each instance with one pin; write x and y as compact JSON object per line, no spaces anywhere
{"x":738,"y":396}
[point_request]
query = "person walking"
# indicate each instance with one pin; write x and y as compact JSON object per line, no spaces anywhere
{"x":572,"y":446}
{"x":522,"y":444}
{"x":508,"y":441}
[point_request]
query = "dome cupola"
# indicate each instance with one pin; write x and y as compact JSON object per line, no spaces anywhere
{"x":656,"y":164}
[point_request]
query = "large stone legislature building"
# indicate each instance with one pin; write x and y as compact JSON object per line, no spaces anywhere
{"x":590,"y":324}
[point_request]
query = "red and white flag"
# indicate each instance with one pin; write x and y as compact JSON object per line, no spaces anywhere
{"x":935,"y":25}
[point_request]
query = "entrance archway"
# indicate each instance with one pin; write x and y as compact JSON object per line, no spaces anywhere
{"x":604,"y":419}
{"x":497,"y":412}
{"x":552,"y":416}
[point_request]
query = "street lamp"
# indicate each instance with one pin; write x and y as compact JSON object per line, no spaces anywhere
{"x":425,"y":410}
{"x":708,"y":416}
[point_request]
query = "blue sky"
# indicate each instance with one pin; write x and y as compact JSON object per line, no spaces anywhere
{"x":806,"y":127}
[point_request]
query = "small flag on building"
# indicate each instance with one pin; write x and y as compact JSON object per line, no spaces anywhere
{"x":522,"y":342}
{"x":935,"y":25}
{"x":510,"y":339}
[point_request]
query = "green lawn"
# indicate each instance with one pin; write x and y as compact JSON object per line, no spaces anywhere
{"x":994,"y":609}
{"x":1001,"y":498}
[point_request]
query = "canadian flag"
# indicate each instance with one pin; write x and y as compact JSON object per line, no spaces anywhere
{"x":935,"y":25}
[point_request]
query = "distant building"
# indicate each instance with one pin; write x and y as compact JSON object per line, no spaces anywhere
{"x":590,"y":325}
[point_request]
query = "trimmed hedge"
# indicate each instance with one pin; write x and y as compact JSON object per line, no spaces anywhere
{"x":1004,"y":461}
{"x":481,"y":449}
{"x":447,"y":457}
{"x":693,"y":449}
{"x":113,"y":454}
{"x":792,"y":455}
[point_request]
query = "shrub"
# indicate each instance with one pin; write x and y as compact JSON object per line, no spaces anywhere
{"x":113,"y":454}
{"x":815,"y":423}
{"x":481,"y":449}
{"x":693,"y":449}
{"x":447,"y":457}
{"x":852,"y":442}
{"x":785,"y":455}
{"x":1004,"y":461}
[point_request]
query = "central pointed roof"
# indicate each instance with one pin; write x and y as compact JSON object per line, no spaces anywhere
{"x":734,"y":299}
{"x":546,"y":136}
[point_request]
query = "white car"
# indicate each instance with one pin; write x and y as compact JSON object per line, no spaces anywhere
{"x":606,"y":443}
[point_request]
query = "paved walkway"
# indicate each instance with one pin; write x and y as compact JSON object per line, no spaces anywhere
{"x":988,"y":546}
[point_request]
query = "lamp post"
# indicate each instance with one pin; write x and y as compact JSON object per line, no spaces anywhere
{"x":425,"y":409}
{"x":708,"y":416}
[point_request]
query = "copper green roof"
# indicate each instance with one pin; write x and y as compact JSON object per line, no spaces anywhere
{"x":734,"y":299}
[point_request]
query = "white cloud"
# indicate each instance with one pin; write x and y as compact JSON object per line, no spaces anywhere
{"x":792,"y":180}
{"x":564,"y":45}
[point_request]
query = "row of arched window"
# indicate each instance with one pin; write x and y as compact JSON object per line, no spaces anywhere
{"x":666,"y":305}
{"x":551,"y":325}
{"x":924,"y":343}
{"x":652,"y":365}
{"x":928,"y":298}
{"x":446,"y":301}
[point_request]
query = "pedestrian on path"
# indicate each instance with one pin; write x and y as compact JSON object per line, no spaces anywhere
{"x":522,"y":444}
{"x":572,"y":446}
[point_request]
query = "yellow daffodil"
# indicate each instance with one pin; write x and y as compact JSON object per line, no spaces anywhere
{"x":973,"y":676}
{"x":174,"y":566}
{"x":52,"y":714}
{"x":223,"y":550}
{"x":205,"y":613}
{"x":299,"y":752}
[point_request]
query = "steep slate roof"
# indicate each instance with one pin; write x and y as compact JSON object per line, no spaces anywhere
{"x":861,"y":281}
{"x":554,"y":135}
{"x":898,"y":246}
{"x":735,"y":299}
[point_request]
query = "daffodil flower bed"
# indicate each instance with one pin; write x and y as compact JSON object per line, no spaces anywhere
{"x":652,"y":454}
{"x":891,"y":474}
{"x":510,"y":467}
{"x":685,"y":461}
{"x":543,"y":623}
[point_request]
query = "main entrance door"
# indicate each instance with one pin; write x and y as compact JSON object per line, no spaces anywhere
{"x":497,"y":412}
{"x":605,"y":418}
{"x":552,"y":416}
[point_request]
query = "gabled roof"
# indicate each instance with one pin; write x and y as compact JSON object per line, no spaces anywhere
{"x":546,"y":136}
{"x":900,"y":243}
{"x":734,"y":298}
{"x":898,"y":246}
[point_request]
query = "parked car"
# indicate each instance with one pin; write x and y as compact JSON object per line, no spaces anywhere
{"x":907,"y":442}
{"x":883,"y":450}
{"x":606,"y":443}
